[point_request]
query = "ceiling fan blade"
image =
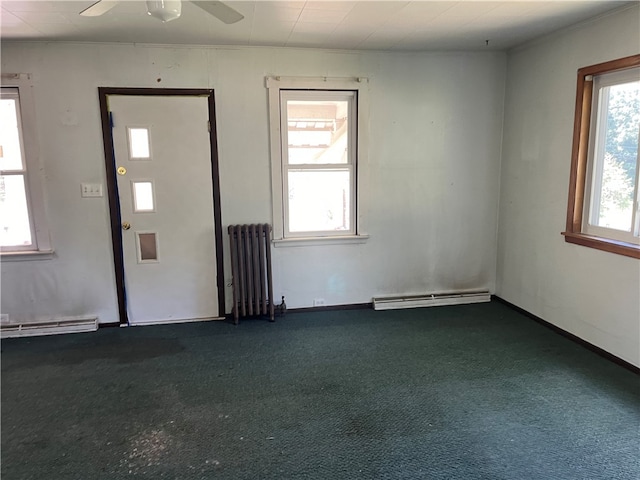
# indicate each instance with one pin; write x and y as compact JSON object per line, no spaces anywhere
{"x":221,"y":11}
{"x":99,"y":8}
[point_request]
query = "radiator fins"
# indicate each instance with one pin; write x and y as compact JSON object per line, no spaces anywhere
{"x":251,"y":270}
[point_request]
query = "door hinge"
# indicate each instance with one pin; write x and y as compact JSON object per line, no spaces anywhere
{"x":111,"y":119}
{"x":209,"y":125}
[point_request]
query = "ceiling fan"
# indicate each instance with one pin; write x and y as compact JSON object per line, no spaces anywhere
{"x":167,"y":10}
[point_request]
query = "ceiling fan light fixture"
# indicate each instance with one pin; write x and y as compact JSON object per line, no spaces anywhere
{"x":164,"y":10}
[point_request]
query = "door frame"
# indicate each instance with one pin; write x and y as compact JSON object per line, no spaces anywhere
{"x":112,"y":186}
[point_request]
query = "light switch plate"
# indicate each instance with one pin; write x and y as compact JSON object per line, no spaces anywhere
{"x":91,"y":189}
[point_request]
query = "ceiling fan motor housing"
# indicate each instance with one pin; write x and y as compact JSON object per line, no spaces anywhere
{"x":165,"y":10}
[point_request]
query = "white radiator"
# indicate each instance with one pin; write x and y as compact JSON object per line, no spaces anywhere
{"x":50,"y":327}
{"x":430,"y":300}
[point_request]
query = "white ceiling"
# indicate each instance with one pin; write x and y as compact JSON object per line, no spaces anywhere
{"x":353,"y":25}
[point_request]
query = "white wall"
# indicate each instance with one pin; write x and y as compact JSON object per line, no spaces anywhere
{"x":590,"y":293}
{"x":431,"y":209}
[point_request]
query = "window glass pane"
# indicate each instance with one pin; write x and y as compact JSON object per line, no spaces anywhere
{"x":143,"y":197}
{"x":615,"y":173}
{"x":10,"y":151}
{"x":148,"y":247}
{"x":319,"y":200}
{"x":14,"y":215}
{"x":139,"y":143}
{"x":317,"y":131}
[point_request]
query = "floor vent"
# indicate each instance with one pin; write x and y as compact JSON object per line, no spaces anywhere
{"x":53,"y":327}
{"x":430,"y":300}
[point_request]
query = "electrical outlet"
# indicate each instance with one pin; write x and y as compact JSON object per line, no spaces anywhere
{"x":318,"y":302}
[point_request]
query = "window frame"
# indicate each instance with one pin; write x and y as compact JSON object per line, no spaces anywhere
{"x":580,"y":179}
{"x":359,"y":181}
{"x":13,"y":93}
{"x":314,"y":95}
{"x":33,"y":173}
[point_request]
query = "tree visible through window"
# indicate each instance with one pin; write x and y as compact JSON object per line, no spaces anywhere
{"x":604,"y":194}
{"x":615,"y":161}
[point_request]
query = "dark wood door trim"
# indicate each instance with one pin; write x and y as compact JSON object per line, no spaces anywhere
{"x":112,"y":186}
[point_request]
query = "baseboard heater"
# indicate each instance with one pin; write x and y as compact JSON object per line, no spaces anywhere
{"x":430,"y":300}
{"x":52,"y":327}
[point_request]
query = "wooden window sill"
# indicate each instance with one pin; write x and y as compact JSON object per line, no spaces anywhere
{"x":605,"y":244}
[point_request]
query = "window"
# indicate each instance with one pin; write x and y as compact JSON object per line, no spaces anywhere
{"x":317,"y":153}
{"x":22,"y":224}
{"x":143,"y":196}
{"x":604,"y":194}
{"x":318,"y":159}
{"x":139,"y":144}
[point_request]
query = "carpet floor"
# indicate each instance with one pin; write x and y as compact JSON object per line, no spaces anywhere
{"x":465,"y":392}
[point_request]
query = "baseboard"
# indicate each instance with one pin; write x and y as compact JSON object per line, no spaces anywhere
{"x":331,"y":308}
{"x":109,"y":324}
{"x":326,"y":308}
{"x":171,"y":321}
{"x":570,"y":336}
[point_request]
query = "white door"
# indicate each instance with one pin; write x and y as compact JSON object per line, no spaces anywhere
{"x":163,"y":163}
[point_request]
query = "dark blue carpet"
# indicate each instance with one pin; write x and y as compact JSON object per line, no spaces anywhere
{"x":469,"y":392}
